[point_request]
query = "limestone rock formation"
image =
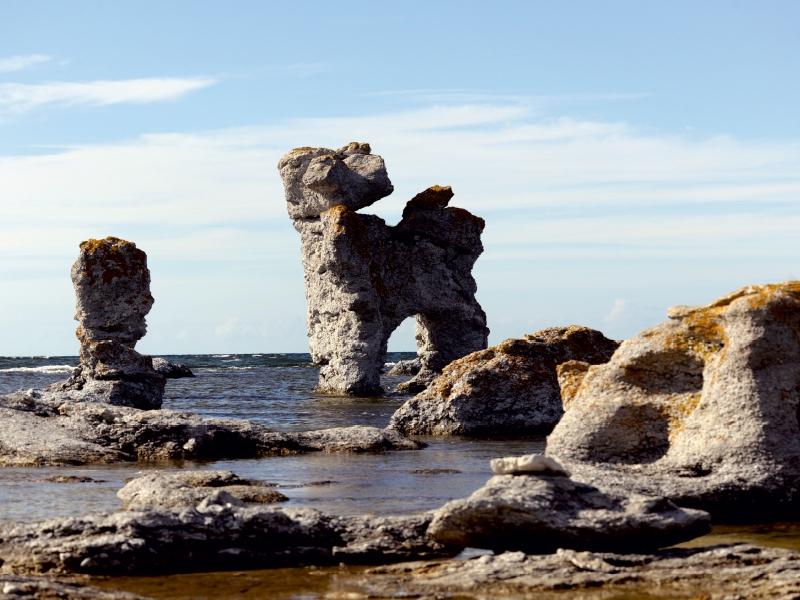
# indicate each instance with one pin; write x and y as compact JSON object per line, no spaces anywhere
{"x":39,"y":430}
{"x":219,"y":533}
{"x":406,"y":367}
{"x":112,"y":286}
{"x":364,"y":278}
{"x":702,"y":409}
{"x":508,"y":388}
{"x":541,"y":513}
{"x":189,"y":488}
{"x":717,"y":573}
{"x":171,"y":370}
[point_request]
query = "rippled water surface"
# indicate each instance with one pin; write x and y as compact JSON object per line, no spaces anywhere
{"x":276,"y":390}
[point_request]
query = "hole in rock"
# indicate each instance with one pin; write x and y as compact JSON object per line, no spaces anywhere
{"x":402,"y":338}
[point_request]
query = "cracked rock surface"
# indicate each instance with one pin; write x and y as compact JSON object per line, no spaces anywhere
{"x":511,"y":388}
{"x":112,"y":287}
{"x":38,"y":430}
{"x":364,"y":278}
{"x":188,"y":488}
{"x":541,"y":513}
{"x":719,"y":573}
{"x":702,"y":409}
{"x":219,"y":533}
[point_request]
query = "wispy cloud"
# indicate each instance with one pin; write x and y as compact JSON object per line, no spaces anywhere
{"x":579,"y":214}
{"x":19,"y":97}
{"x":17,"y":63}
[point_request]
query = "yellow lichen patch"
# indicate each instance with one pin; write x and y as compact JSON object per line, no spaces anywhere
{"x":345,"y":221}
{"x":570,"y":378}
{"x":678,"y":410}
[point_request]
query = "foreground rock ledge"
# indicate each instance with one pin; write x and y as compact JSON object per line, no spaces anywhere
{"x":511,"y":388}
{"x":219,"y":533}
{"x":729,"y":571}
{"x":37,"y":431}
{"x":702,"y":409}
{"x":544,"y":512}
{"x":21,"y":587}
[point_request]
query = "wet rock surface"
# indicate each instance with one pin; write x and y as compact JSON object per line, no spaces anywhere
{"x":719,"y":572}
{"x":541,"y":513}
{"x":507,"y":389}
{"x":188,"y":488}
{"x":701,"y":409}
{"x":21,"y":587}
{"x":171,"y":370}
{"x":40,"y":431}
{"x":364,"y":278}
{"x":219,"y":533}
{"x":112,"y":287}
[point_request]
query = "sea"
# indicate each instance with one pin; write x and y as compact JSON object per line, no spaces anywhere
{"x":277,"y":390}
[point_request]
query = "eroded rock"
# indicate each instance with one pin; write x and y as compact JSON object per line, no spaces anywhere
{"x":219,"y":533}
{"x":541,"y":513}
{"x":364,"y":278}
{"x":716,"y":573}
{"x":112,"y":286}
{"x":21,"y":587}
{"x":38,"y":430}
{"x":406,"y":367}
{"x":701,"y":409}
{"x":171,"y":370}
{"x":189,"y":488}
{"x":508,"y":388}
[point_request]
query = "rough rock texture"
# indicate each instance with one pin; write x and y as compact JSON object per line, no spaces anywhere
{"x":528,"y":464}
{"x":171,"y":370}
{"x":541,"y":513}
{"x":188,"y":488}
{"x":508,"y":388}
{"x":38,"y":431}
{"x":21,"y":587}
{"x":702,"y":409}
{"x":406,"y":367}
{"x":218,"y":533}
{"x":364,"y":278}
{"x":112,"y":286}
{"x":731,"y":572}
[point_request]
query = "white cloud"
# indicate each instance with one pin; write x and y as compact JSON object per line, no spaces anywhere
{"x":618,"y":311}
{"x":578,"y":213}
{"x":19,"y":97}
{"x":17,"y":63}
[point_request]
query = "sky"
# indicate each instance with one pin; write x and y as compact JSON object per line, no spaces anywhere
{"x":626,"y":156}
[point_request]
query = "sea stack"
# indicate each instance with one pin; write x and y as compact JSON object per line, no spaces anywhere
{"x":364,"y":278}
{"x":112,"y":286}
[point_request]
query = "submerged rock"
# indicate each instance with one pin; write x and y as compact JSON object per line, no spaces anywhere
{"x":364,"y":278}
{"x":406,"y":367}
{"x":112,"y":286}
{"x":188,"y":488}
{"x":171,"y":370}
{"x":21,"y":587}
{"x":702,"y":409}
{"x":40,"y":431}
{"x":541,"y":513}
{"x":508,"y":388}
{"x":219,"y":533}
{"x":718,"y":573}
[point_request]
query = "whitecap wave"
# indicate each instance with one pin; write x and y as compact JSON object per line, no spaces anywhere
{"x":42,"y":369}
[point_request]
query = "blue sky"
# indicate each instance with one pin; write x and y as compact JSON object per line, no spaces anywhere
{"x":627,"y":156}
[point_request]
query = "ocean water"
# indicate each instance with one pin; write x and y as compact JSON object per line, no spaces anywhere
{"x":275,"y":390}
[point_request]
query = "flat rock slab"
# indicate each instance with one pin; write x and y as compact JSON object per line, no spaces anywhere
{"x":38,"y":432}
{"x":719,"y":572}
{"x":189,"y":488}
{"x":21,"y":587}
{"x":215,"y":535}
{"x":541,"y":513}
